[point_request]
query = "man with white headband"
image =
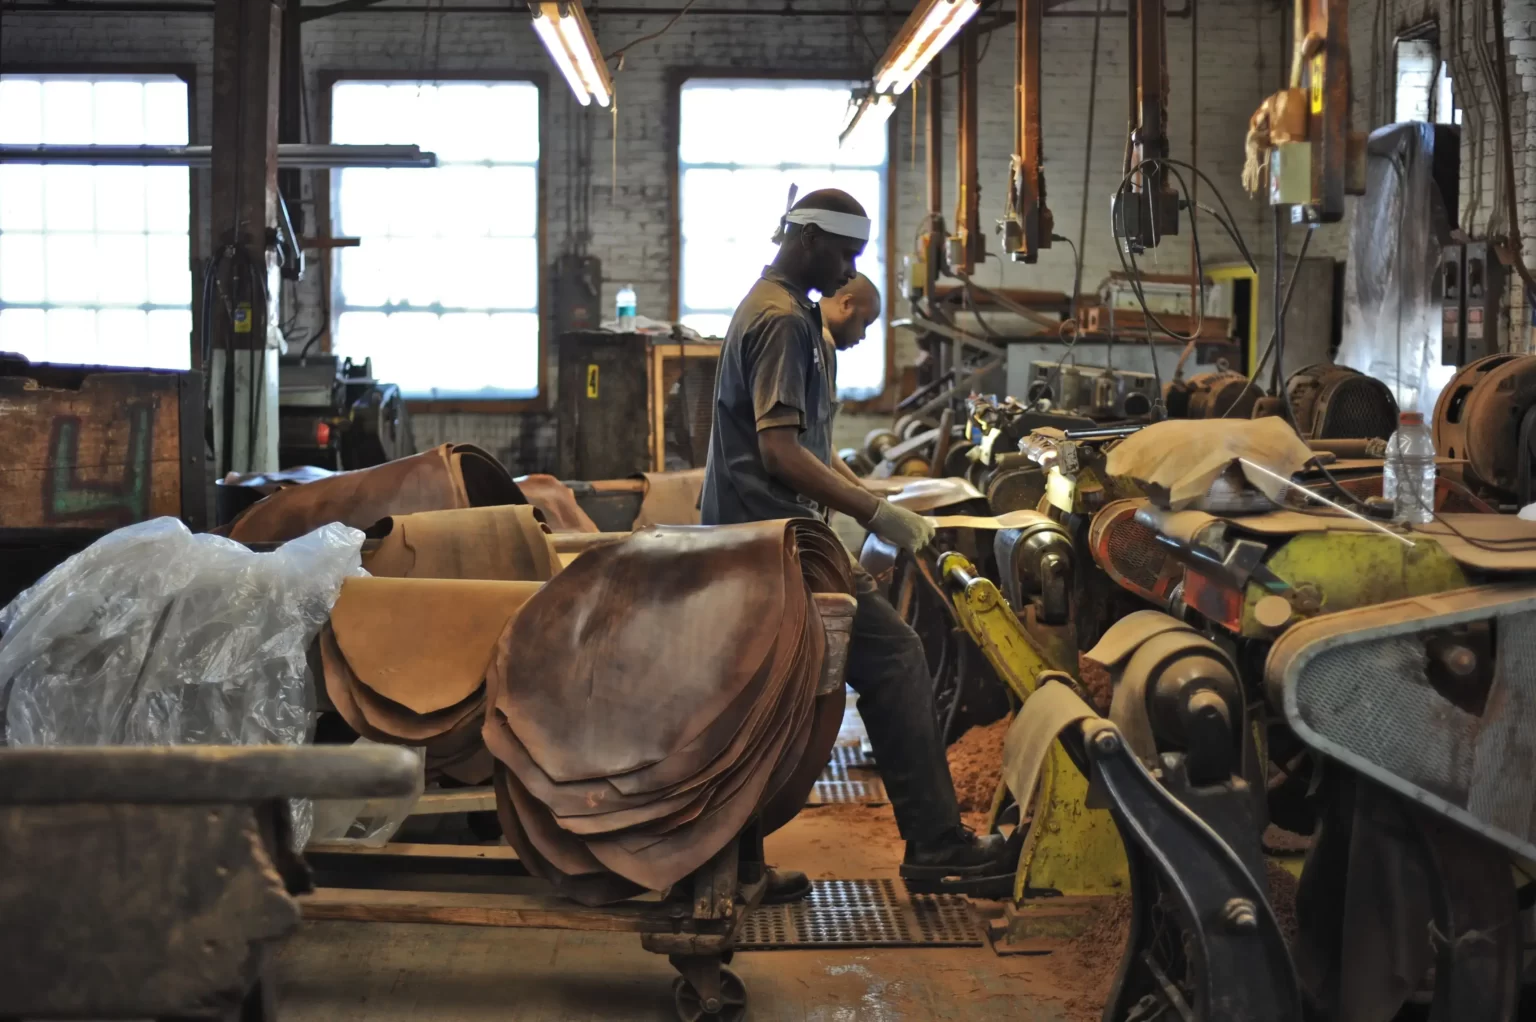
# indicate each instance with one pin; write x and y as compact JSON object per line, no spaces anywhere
{"x":770,"y":457}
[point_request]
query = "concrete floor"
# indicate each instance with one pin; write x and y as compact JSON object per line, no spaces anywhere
{"x":384,"y":972}
{"x":381,"y":972}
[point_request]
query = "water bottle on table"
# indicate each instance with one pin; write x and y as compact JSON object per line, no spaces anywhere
{"x":626,"y":309}
{"x":1408,"y":477}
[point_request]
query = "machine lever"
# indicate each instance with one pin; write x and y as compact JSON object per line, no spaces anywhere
{"x":1240,"y":967}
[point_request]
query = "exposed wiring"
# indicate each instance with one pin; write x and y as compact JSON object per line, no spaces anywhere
{"x":1133,"y":272}
{"x":1012,"y":306}
{"x":1333,"y":481}
{"x":618,"y":54}
{"x":1269,"y":348}
{"x":857,"y":17}
{"x":970,"y":298}
{"x":1082,"y":219}
{"x":1077,"y":269}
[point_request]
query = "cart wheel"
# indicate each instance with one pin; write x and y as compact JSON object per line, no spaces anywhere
{"x":731,"y":1008}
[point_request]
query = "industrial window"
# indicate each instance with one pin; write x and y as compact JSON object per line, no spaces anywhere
{"x":94,"y":260}
{"x":1422,"y":87}
{"x":443,"y":291}
{"x":742,"y":143}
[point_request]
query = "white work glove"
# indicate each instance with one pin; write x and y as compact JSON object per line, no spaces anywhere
{"x":895,"y":524}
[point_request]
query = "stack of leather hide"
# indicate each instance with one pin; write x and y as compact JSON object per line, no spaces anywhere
{"x":405,"y":653}
{"x":448,"y":476}
{"x":656,"y":694}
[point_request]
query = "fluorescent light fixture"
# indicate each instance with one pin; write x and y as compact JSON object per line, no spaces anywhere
{"x":928,"y":29}
{"x":567,"y":35}
{"x":868,"y":112}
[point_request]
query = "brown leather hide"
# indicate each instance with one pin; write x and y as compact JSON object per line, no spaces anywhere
{"x":658,"y":693}
{"x":671,"y":498}
{"x":447,"y":476}
{"x":405,"y":656}
{"x":558,"y":503}
{"x":504,"y":543}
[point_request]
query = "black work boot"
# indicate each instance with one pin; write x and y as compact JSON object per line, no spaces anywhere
{"x":785,"y":886}
{"x":958,"y":852}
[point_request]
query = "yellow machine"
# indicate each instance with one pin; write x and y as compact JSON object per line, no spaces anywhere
{"x":1072,"y":859}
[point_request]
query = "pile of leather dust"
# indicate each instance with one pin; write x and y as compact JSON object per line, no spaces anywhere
{"x":1282,"y":898}
{"x":1096,"y":681}
{"x":1087,"y":965}
{"x":976,"y":764}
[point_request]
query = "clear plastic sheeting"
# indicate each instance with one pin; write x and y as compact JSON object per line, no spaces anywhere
{"x":1392,"y":315}
{"x":155,"y":636}
{"x":368,"y":822}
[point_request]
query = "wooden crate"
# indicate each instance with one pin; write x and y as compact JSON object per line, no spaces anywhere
{"x":88,"y":447}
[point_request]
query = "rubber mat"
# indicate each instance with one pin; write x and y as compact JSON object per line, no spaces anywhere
{"x":836,"y":784}
{"x":862,"y":913}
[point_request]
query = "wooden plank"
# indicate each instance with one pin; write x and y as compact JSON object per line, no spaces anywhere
{"x":400,"y":849}
{"x":105,"y":454}
{"x":436,"y":803}
{"x":519,"y":911}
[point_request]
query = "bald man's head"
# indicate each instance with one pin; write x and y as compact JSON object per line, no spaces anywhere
{"x":848,"y":314}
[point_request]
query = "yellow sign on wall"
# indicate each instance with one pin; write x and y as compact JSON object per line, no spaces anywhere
{"x":1317,"y":84}
{"x":592,"y":380}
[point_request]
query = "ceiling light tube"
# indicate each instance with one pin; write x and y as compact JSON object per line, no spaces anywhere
{"x":567,"y":35}
{"x":928,"y":29}
{"x":870,"y":112}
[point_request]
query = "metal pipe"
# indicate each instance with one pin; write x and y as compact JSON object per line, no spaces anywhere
{"x":288,"y":155}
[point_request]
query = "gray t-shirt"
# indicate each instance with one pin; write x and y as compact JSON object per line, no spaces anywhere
{"x":775,"y":370}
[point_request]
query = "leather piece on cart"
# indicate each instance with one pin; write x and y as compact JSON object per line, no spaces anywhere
{"x":445,"y":477}
{"x":640,"y":712}
{"x":405,"y":661}
{"x":507,"y":542}
{"x":557,"y":501}
{"x":670,"y":498}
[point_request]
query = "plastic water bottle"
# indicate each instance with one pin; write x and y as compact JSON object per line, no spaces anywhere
{"x":626,"y":309}
{"x":1408,"y":477}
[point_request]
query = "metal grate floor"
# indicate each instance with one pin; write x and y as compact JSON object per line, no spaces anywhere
{"x":837,"y":784}
{"x":862,"y":913}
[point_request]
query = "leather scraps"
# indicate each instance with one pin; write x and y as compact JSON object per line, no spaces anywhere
{"x":494,"y":543}
{"x":658,"y":693}
{"x":671,"y":498}
{"x":558,"y":503}
{"x":405,"y":661}
{"x":406,"y":652}
{"x":445,"y":477}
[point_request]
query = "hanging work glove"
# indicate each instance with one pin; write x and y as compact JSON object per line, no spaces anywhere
{"x":895,"y":524}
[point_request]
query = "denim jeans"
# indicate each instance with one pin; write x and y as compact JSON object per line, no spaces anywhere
{"x":888,"y":670}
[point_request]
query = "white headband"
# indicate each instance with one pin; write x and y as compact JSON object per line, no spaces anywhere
{"x":847,"y":225}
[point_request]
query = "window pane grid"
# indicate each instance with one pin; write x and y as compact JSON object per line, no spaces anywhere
{"x":94,"y":260}
{"x":442,"y":293}
{"x":742,"y":144}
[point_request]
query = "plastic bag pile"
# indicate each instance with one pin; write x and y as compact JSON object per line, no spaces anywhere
{"x":156,"y":636}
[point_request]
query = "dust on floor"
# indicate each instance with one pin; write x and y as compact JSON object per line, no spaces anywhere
{"x":858,"y":841}
{"x":976,"y":764}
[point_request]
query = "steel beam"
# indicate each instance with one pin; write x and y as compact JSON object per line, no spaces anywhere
{"x":970,"y":242}
{"x":243,"y":289}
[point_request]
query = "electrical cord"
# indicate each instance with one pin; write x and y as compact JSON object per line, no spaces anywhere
{"x":970,"y":298}
{"x":1133,"y":271}
{"x":1269,"y":348}
{"x":1077,"y":269}
{"x":619,"y":53}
